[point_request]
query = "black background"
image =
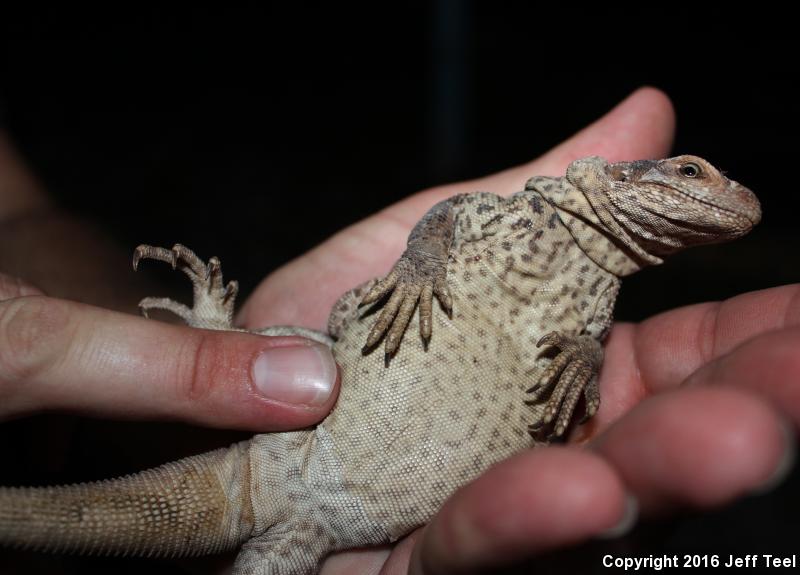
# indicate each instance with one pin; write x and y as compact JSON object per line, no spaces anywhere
{"x":254,"y":134}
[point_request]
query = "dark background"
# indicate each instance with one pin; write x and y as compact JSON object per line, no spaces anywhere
{"x":254,"y":134}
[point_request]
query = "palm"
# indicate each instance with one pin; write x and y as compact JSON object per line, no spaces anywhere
{"x":700,"y":445}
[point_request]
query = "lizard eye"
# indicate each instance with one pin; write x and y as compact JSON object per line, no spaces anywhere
{"x":690,"y":170}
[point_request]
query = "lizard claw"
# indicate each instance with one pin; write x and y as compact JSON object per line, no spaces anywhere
{"x":213,"y":303}
{"x":443,"y":294}
{"x":413,"y":282}
{"x":572,"y":372}
{"x":212,"y":268}
{"x":231,"y":290}
{"x":144,"y":251}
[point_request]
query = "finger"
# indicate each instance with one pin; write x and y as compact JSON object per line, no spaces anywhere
{"x":360,"y":561}
{"x":696,"y":447}
{"x":671,"y":346}
{"x":639,"y":127}
{"x":11,"y":287}
{"x":60,"y":355}
{"x":400,"y":558}
{"x":769,"y":364}
{"x":535,"y":501}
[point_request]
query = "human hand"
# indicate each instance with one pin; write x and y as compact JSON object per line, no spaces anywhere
{"x":695,"y":402}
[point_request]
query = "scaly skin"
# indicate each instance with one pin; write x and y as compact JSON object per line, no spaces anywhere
{"x":527,"y":286}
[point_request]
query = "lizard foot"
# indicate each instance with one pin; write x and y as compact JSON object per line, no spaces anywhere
{"x":213,"y":301}
{"x":572,"y":371}
{"x":415,"y":278}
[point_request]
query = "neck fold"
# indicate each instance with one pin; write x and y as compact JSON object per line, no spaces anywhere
{"x":592,"y":225}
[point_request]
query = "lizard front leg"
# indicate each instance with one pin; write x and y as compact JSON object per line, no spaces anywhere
{"x":415,"y":278}
{"x":573,"y":371}
{"x":420,"y":273}
{"x":213,"y":300}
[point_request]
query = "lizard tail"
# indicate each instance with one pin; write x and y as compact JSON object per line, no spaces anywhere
{"x":195,"y":506}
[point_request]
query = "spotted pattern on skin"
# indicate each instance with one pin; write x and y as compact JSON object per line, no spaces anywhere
{"x":509,"y":288}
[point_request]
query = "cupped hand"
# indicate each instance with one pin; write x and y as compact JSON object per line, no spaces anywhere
{"x":699,"y":405}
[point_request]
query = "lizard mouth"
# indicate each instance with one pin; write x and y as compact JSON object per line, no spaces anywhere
{"x":751,"y":204}
{"x":736,"y":201}
{"x":752,"y":214}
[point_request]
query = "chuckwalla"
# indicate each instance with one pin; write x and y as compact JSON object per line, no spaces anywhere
{"x":527,"y":285}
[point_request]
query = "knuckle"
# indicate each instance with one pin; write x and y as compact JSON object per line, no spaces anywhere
{"x":208,"y":364}
{"x":31,"y":335}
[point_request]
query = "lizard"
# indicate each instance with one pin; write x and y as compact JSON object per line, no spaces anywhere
{"x":526,"y":286}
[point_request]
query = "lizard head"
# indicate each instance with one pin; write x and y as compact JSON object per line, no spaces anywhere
{"x":667,"y":205}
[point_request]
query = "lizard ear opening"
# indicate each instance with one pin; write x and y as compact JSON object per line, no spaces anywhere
{"x":617,"y":173}
{"x":629,"y":171}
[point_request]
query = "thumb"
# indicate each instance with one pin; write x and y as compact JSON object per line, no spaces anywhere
{"x":60,"y":355}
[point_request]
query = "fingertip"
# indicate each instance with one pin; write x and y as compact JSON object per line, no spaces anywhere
{"x":657,"y":106}
{"x":626,"y":522}
{"x":252,"y":382}
{"x":641,"y":126}
{"x":786,"y":462}
{"x":658,"y":121}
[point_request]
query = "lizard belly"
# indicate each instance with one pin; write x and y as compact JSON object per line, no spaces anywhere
{"x":410,"y":434}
